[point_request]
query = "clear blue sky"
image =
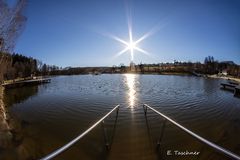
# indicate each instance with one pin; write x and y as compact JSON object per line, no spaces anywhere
{"x":66,"y":33}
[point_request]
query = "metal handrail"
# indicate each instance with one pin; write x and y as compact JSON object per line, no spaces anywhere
{"x":214,"y":146}
{"x":69,"y":144}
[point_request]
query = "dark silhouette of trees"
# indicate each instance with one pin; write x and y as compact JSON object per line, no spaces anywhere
{"x":21,"y":66}
{"x":114,"y":68}
{"x":123,"y":68}
{"x":44,"y":69}
{"x":210,"y":65}
{"x":5,"y":63}
{"x":141,"y":66}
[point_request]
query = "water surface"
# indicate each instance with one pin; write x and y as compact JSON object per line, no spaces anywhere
{"x":52,"y":114}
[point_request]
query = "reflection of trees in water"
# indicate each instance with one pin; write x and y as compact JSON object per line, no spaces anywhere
{"x":18,"y":95}
{"x":16,"y":142}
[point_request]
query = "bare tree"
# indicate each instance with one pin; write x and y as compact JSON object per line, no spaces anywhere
{"x":39,"y":65}
{"x":12,"y":23}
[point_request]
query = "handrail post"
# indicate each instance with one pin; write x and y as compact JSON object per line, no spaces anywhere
{"x":76,"y":139}
{"x":108,"y":142}
{"x":201,"y":139}
{"x":105,"y":136}
{"x":162,"y":133}
{"x":114,"y":129}
{"x":117,"y":111}
{"x":145,"y":109}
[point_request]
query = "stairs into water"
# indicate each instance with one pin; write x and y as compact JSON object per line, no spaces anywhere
{"x":131,"y":140}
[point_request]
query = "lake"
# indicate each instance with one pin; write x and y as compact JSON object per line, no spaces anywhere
{"x":50,"y":115}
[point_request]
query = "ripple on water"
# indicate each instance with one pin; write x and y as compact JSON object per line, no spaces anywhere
{"x":69,"y":104}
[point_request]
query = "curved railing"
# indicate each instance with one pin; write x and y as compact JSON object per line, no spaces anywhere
{"x":69,"y":144}
{"x":201,"y":139}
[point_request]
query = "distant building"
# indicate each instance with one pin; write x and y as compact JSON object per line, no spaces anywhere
{"x":132,"y":66}
{"x":228,"y":62}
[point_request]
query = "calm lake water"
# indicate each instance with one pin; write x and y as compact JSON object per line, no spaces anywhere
{"x":50,"y":115}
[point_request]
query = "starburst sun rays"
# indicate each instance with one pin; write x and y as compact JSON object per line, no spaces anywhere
{"x":130,"y":45}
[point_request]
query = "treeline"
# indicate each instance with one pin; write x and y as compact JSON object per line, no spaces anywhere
{"x":13,"y":66}
{"x":84,"y":70}
{"x":16,"y":66}
{"x":210,"y":66}
{"x":21,"y":66}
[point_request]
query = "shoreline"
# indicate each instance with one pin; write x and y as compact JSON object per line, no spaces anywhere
{"x":224,"y":77}
{"x":5,"y":129}
{"x":158,"y":73}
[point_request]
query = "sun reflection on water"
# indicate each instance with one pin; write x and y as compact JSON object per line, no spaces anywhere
{"x":131,"y":80}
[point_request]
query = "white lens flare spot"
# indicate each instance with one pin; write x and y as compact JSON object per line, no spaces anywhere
{"x":131,"y":45}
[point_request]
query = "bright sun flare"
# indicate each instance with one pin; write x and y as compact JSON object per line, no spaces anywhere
{"x":131,"y":45}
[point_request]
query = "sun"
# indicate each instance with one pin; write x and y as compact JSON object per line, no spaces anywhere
{"x":131,"y":46}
